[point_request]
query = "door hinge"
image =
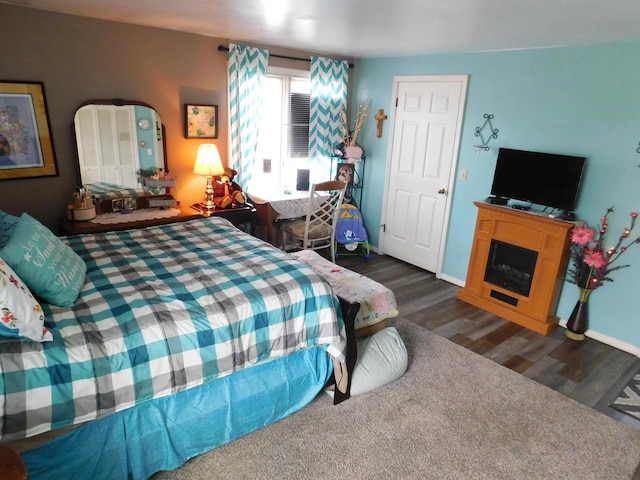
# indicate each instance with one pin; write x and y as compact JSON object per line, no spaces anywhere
{"x":396,"y":102}
{"x":384,"y":227}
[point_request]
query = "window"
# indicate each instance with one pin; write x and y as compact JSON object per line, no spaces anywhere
{"x":283,"y":140}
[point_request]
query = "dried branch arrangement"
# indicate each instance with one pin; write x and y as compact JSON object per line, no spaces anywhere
{"x":350,"y":138}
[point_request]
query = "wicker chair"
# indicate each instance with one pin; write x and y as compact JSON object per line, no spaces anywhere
{"x":318,"y":229}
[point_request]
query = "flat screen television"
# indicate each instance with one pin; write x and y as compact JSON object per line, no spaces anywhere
{"x":545,"y":179}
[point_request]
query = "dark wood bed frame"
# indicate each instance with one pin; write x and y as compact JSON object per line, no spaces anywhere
{"x":349,"y":312}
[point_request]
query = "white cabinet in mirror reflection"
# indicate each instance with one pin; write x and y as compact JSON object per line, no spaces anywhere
{"x":113,"y":143}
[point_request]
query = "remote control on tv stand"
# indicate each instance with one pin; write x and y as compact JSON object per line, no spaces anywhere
{"x":564,"y":215}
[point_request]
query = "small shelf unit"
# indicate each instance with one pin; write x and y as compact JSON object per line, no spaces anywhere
{"x":353,"y":195}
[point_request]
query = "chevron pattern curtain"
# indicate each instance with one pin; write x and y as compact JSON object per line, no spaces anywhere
{"x":247,"y":70}
{"x":329,"y":80}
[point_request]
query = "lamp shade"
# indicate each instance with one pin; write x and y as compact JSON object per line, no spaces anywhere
{"x":208,"y":161}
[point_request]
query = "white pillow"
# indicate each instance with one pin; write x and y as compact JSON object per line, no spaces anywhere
{"x":382,"y":358}
{"x":21,"y":315}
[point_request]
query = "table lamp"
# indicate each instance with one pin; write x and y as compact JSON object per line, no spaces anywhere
{"x":208,"y":163}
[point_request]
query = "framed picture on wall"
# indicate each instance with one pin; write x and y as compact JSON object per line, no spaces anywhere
{"x":26,"y":146}
{"x":200,"y":121}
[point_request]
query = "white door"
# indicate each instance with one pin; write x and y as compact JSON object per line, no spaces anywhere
{"x":107,"y":144}
{"x":423,"y":152}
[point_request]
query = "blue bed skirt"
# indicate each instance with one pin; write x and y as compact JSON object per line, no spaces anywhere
{"x":164,"y":433}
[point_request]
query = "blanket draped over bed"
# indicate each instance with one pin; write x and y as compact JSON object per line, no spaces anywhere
{"x":163,"y":309}
{"x":104,"y":191}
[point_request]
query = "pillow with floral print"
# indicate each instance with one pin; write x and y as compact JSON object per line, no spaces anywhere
{"x":21,"y":315}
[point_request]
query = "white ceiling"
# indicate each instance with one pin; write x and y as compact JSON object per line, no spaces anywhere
{"x":376,"y":28}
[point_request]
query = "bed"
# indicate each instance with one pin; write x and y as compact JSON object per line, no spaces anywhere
{"x":183,"y":337}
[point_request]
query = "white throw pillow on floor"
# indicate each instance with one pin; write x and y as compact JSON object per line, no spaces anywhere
{"x":382,"y":358}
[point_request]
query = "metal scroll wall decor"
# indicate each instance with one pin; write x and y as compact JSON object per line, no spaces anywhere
{"x":485,"y":136}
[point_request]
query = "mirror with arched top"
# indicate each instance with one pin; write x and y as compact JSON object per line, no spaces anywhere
{"x":118,"y":139}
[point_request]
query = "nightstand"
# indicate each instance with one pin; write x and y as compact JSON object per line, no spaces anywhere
{"x":238,"y":216}
{"x":244,"y":217}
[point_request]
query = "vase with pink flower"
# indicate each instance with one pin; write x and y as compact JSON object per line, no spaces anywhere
{"x":592,"y":264}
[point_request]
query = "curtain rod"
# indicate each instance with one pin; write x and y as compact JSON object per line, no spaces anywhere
{"x":222,"y":48}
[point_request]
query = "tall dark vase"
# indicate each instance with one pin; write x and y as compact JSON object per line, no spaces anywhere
{"x":578,"y":321}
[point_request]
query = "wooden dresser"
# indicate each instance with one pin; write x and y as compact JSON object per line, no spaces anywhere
{"x":237,"y":216}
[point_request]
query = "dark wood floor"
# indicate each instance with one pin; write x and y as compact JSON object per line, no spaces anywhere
{"x":590,"y":372}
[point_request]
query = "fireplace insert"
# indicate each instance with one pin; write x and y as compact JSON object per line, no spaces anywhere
{"x":510,"y":267}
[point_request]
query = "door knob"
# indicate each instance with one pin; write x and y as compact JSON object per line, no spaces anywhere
{"x":442,"y":191}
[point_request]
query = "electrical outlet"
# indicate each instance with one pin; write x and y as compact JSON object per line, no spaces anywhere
{"x":463,"y":174}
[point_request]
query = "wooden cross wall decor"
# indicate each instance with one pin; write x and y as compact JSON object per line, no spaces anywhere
{"x":380,"y":117}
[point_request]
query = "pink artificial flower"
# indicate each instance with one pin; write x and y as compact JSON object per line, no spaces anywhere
{"x":594,"y":258}
{"x":582,"y":235}
{"x":7,"y":317}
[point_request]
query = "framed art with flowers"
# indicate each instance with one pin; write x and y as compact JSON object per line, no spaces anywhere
{"x":200,"y":121}
{"x":26,"y":145}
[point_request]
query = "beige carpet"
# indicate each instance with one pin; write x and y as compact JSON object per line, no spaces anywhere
{"x":453,"y":415}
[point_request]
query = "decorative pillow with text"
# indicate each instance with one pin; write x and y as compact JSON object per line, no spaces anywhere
{"x":20,"y":314}
{"x":51,"y":269}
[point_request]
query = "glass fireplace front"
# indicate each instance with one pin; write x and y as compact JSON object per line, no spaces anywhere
{"x":510,"y":267}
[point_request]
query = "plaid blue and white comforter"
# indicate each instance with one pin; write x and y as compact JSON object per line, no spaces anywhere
{"x":163,"y":309}
{"x":105,"y":191}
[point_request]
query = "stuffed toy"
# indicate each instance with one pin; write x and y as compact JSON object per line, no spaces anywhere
{"x":226,"y":192}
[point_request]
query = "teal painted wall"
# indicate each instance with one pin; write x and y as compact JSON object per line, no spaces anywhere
{"x":146,"y":153}
{"x":570,"y":100}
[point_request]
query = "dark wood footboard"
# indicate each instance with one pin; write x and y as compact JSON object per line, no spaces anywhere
{"x":349,"y":312}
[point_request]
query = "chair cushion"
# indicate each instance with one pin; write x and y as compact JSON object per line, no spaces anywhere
{"x":296,"y":228}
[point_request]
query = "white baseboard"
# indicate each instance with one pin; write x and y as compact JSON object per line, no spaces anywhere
{"x":607,"y":340}
{"x":455,"y":281}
